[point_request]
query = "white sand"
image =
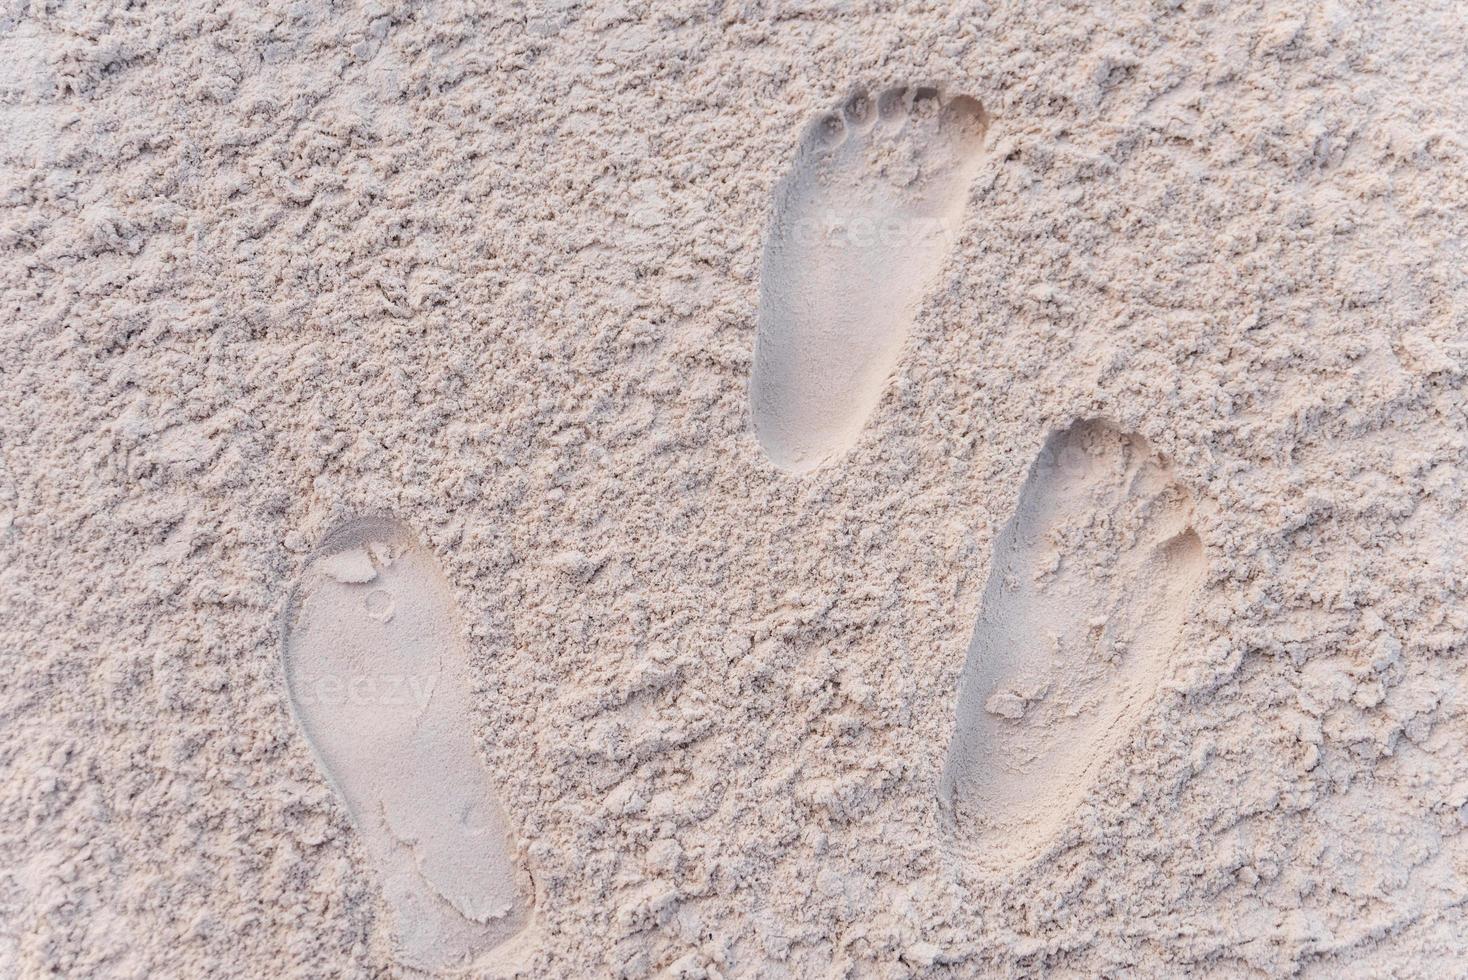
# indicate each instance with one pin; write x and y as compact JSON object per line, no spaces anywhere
{"x":267,"y":268}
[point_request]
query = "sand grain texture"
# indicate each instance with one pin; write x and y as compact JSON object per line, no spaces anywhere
{"x":497,"y":271}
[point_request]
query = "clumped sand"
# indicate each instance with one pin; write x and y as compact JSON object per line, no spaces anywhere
{"x":496,"y":271}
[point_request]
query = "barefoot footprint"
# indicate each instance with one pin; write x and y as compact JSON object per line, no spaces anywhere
{"x":861,"y":226}
{"x":1088,"y":588}
{"x":378,"y":678}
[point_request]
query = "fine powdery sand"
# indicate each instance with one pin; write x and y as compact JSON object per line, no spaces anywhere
{"x":1088,"y":588}
{"x":681,"y":491}
{"x":860,"y":228}
{"x":378,"y":678}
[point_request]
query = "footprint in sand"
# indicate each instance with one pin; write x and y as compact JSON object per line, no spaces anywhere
{"x":861,"y":226}
{"x":1088,"y":588}
{"x":378,"y":678}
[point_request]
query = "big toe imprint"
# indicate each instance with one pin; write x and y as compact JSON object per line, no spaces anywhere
{"x":1088,"y":588}
{"x":378,"y":678}
{"x":861,"y":226}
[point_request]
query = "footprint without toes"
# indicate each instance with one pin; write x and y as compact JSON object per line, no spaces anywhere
{"x":378,"y":679}
{"x":861,"y":226}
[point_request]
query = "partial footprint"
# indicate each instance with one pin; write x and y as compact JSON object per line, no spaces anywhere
{"x":1088,"y":588}
{"x":378,"y":678}
{"x":861,"y":226}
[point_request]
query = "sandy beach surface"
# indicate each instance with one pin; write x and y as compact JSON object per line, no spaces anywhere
{"x":699,"y":489}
